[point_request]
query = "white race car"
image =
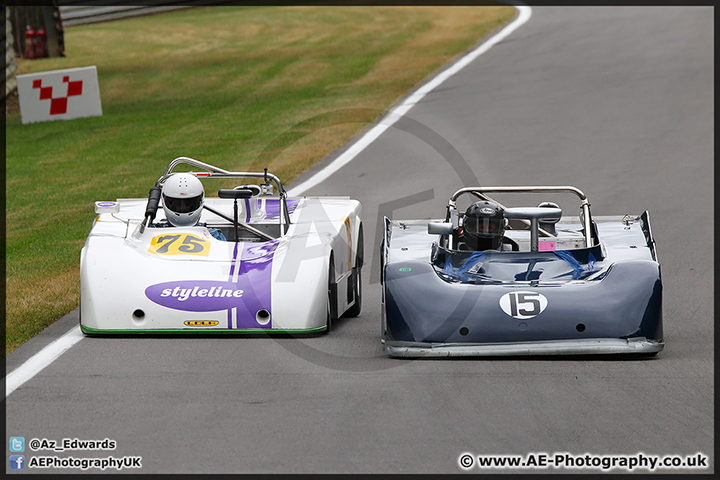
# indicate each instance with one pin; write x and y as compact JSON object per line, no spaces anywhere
{"x":289,"y":265}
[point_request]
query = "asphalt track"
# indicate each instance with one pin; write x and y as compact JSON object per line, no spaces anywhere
{"x":616,"y":101}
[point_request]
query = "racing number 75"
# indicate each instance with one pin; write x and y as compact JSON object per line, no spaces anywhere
{"x":179,"y":244}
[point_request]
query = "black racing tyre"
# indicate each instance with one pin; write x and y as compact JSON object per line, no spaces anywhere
{"x":331,"y":296}
{"x":354,"y":311}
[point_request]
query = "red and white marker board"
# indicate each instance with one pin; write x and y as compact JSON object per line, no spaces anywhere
{"x":59,"y":95}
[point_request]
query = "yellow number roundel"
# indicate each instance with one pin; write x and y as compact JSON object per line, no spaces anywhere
{"x":179,"y":244}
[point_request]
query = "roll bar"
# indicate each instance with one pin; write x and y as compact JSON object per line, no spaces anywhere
{"x":212,"y":171}
{"x":216,"y":172}
{"x":480,"y":192}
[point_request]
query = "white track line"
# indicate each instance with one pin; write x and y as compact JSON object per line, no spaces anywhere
{"x":40,"y":360}
{"x":524,"y":13}
{"x":47,"y":355}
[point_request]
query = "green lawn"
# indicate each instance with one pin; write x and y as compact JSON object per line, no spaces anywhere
{"x":218,"y":84}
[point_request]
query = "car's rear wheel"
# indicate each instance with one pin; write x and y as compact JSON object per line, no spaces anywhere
{"x":354,"y":311}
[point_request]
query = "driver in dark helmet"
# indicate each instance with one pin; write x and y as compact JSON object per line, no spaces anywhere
{"x":483,"y":226}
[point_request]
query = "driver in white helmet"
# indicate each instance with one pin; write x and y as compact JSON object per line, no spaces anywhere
{"x":183,"y":197}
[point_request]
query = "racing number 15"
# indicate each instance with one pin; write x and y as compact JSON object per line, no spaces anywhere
{"x":524,"y":299}
{"x":179,"y":244}
{"x":523,"y":305}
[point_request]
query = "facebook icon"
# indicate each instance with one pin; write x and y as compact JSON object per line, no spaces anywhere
{"x":17,"y":462}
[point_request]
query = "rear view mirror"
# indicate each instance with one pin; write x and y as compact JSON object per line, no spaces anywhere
{"x":440,"y":228}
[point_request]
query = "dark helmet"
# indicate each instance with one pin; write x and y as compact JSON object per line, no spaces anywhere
{"x":483,"y":226}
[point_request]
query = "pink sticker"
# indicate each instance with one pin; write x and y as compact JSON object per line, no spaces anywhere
{"x":546,"y":246}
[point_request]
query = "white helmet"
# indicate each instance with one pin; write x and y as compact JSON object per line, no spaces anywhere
{"x":182,"y":195}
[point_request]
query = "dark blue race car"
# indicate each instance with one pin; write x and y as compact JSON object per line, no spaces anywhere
{"x":496,"y":280}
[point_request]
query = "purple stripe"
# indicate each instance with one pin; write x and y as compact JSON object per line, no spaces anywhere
{"x":272,"y":207}
{"x":255,"y":279}
{"x":247,"y":210}
{"x":233,"y":262}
